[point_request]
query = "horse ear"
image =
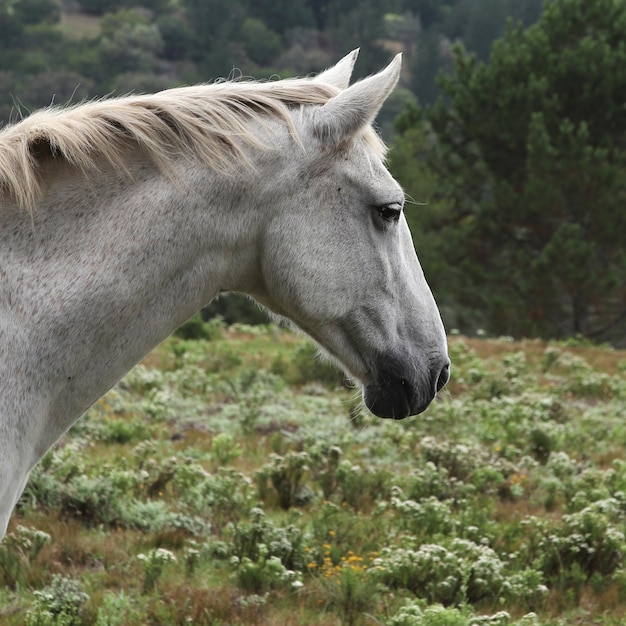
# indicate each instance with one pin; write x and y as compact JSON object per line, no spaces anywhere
{"x":339,"y":75}
{"x":347,"y":113}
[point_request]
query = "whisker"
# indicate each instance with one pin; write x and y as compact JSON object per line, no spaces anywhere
{"x":408,"y":199}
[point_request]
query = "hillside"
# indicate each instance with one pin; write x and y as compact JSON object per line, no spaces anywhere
{"x":235,"y":480}
{"x":59,"y":51}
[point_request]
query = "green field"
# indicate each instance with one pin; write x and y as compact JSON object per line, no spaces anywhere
{"x":235,"y":480}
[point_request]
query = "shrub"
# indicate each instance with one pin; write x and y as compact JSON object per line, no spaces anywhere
{"x":223,"y":497}
{"x":224,"y":449}
{"x":123,"y":430}
{"x":268,"y":572}
{"x":58,"y":604}
{"x":412,"y":614}
{"x":458,"y":459}
{"x":142,"y":379}
{"x":347,"y":583}
{"x":325,"y":469}
{"x":153,"y":564}
{"x":430,"y":480}
{"x":251,"y":392}
{"x":266,"y":556}
{"x":150,"y":516}
{"x":197,"y":328}
{"x":92,"y":500}
{"x":261,"y":43}
{"x":259,"y":539}
{"x":461,"y":572}
{"x":49,"y":479}
{"x":312,"y":367}
{"x":119,"y":610}
{"x":582,"y":544}
{"x":425,"y":518}
{"x":285,"y":473}
{"x":361,"y":487}
{"x":18,"y":551}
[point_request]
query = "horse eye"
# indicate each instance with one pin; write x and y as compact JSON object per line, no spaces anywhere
{"x":390,"y":212}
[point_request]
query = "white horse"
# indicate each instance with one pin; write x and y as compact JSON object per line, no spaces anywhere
{"x":121,"y":218}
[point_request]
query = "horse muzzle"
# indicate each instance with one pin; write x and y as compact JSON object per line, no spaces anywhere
{"x":397,"y":395}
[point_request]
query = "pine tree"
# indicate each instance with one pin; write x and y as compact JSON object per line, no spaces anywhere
{"x":530,"y":153}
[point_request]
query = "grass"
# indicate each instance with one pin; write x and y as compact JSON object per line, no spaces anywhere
{"x":235,"y":480}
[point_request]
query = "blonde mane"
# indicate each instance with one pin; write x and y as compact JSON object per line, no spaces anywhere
{"x":209,"y":121}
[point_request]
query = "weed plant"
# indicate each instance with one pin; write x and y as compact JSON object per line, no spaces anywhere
{"x":231,"y":478}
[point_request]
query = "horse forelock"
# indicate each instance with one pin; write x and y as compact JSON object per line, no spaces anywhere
{"x":212,"y":122}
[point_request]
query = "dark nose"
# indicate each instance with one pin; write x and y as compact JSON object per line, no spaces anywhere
{"x":397,"y":395}
{"x":443,"y":377}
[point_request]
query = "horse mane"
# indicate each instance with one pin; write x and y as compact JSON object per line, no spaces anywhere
{"x":212,"y":122}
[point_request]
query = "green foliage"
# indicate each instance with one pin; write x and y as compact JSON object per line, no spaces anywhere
{"x":177,"y":37}
{"x":585,"y":543}
{"x":235,"y":307}
{"x":526,"y":148}
{"x":350,"y":587}
{"x":222,"y":497}
{"x":18,"y":552}
{"x":214,"y":39}
{"x":360,"y":24}
{"x":35,"y":11}
{"x":285,"y":473}
{"x":129,"y":43}
{"x":224,"y":449}
{"x":263,"y":575}
{"x":502,"y":505}
{"x":93,"y":500}
{"x":99,"y":7}
{"x":262,"y":44}
{"x":311,"y":366}
{"x":283,"y":15}
{"x":251,"y":392}
{"x":205,"y":39}
{"x":412,"y":614}
{"x":59,"y":604}
{"x":153,"y":564}
{"x":360,"y":487}
{"x":118,"y":610}
{"x":197,"y":328}
{"x":260,"y":541}
{"x":461,"y":571}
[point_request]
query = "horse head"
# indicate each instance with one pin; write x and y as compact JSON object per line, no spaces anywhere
{"x":338,"y":258}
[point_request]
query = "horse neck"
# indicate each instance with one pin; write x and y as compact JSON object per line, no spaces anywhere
{"x":103,"y":271}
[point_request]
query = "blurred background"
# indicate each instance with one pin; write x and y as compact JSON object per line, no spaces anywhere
{"x":508,"y":131}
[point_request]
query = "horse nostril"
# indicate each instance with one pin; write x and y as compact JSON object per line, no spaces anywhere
{"x":444,"y":377}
